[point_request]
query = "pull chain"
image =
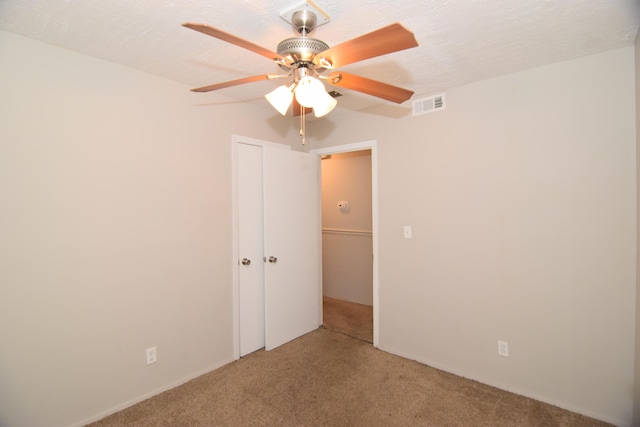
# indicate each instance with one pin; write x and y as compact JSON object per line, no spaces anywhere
{"x":303,"y":130}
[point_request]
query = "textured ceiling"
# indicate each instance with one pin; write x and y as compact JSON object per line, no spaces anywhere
{"x":460,"y":41}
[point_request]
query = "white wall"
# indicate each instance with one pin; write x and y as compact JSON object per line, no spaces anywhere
{"x":522,"y":198}
{"x":347,"y":245}
{"x":115,"y":219}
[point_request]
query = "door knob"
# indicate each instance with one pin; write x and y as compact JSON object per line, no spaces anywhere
{"x":273,"y":259}
{"x":246,"y":261}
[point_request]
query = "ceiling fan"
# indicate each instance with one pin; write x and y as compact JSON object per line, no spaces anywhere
{"x":308,"y":60}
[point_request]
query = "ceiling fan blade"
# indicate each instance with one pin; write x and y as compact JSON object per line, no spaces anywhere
{"x":370,"y":87}
{"x":379,"y":42}
{"x":296,"y":108}
{"x":231,"y":83}
{"x":219,"y":34}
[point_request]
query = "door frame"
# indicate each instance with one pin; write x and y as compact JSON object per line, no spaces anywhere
{"x":360,"y":146}
{"x":235,"y":140}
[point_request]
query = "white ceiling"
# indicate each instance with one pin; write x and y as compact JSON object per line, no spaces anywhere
{"x":460,"y":41}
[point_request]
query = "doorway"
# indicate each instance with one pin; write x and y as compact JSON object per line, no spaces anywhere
{"x":349,"y":239}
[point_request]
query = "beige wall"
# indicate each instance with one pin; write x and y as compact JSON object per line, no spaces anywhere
{"x":521,"y":195}
{"x":347,"y":246}
{"x":114,"y":234}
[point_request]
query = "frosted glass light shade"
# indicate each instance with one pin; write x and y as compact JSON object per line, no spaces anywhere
{"x":324,"y":104}
{"x":308,"y":91}
{"x":280,"y":98}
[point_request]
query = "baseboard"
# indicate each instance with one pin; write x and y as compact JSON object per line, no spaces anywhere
{"x":146,"y":396}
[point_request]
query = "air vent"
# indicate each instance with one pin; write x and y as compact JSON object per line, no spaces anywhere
{"x":429,"y":105}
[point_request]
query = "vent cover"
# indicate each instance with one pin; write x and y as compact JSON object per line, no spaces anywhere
{"x":429,"y":105}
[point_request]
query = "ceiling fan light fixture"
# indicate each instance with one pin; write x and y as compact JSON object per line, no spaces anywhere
{"x":280,"y":98}
{"x":324,"y":104}
{"x":309,"y":91}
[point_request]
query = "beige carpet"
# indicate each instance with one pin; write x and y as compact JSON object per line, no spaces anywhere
{"x":349,"y":318}
{"x":329,"y":379}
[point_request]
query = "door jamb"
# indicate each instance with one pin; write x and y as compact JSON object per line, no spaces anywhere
{"x":373,"y":146}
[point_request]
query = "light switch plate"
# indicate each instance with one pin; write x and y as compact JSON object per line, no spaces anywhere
{"x":407,"y":231}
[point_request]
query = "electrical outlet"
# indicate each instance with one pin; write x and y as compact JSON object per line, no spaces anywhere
{"x":151,"y":355}
{"x":503,"y":348}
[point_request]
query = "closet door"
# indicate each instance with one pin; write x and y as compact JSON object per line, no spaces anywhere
{"x":250,"y":248}
{"x":292,"y":245}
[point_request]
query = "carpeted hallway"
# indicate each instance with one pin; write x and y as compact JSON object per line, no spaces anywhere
{"x":326,"y":378}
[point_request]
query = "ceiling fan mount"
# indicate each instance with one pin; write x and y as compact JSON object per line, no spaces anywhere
{"x":304,"y":22}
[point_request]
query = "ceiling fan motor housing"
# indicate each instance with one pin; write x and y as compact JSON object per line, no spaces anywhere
{"x":301,"y":49}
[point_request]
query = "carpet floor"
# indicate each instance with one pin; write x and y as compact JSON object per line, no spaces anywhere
{"x":326,"y":378}
{"x":349,"y":318}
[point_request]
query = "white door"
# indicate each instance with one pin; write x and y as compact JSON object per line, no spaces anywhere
{"x":292,"y":245}
{"x":251,"y":247}
{"x":278,"y":219}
